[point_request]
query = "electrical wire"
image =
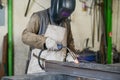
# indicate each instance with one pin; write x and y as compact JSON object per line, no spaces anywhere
{"x":40,"y":60}
{"x":98,"y":22}
{"x":93,"y":28}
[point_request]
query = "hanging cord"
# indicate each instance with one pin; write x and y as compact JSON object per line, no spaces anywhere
{"x":117,"y":21}
{"x":99,"y":21}
{"x":93,"y":31}
{"x":96,"y":22}
{"x":91,"y":7}
{"x":40,"y":59}
{"x":26,"y":12}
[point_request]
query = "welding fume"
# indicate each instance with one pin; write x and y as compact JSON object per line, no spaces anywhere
{"x":48,"y":33}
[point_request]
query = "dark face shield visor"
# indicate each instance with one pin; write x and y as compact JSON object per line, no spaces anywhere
{"x":65,"y":14}
{"x":61,"y":9}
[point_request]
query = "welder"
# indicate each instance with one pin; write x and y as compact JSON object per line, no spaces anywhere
{"x":35,"y":34}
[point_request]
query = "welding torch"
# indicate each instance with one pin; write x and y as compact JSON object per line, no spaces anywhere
{"x":60,"y":46}
{"x":74,"y":56}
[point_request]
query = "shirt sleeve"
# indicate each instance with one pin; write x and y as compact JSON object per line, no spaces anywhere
{"x":30,"y":36}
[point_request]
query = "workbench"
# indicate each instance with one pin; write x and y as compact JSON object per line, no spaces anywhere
{"x":56,"y":70}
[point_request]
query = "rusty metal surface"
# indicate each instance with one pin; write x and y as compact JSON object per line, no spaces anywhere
{"x":90,"y":70}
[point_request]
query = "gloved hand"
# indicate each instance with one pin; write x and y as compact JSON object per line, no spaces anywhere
{"x":52,"y":44}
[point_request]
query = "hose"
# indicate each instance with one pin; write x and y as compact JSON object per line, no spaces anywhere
{"x":39,"y":60}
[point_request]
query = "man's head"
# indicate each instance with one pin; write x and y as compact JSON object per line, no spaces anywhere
{"x":62,"y":9}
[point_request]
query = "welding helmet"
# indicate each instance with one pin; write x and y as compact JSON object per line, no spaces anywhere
{"x":61,"y":9}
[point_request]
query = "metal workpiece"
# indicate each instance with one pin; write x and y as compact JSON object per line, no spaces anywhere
{"x":90,"y":70}
{"x":45,"y":76}
{"x":56,"y":70}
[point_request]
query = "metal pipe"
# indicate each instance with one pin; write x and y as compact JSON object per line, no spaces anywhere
{"x":10,"y":37}
{"x":108,"y":14}
{"x":109,"y":31}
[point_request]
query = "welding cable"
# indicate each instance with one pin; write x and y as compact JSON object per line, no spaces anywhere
{"x":40,"y":64}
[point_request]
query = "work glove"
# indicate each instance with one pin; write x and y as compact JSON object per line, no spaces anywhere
{"x":53,"y":45}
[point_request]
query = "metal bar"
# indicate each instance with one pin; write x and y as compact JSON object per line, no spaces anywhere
{"x":10,"y":37}
{"x":27,"y":8}
{"x":109,"y":31}
{"x":108,"y":14}
{"x":90,"y":70}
